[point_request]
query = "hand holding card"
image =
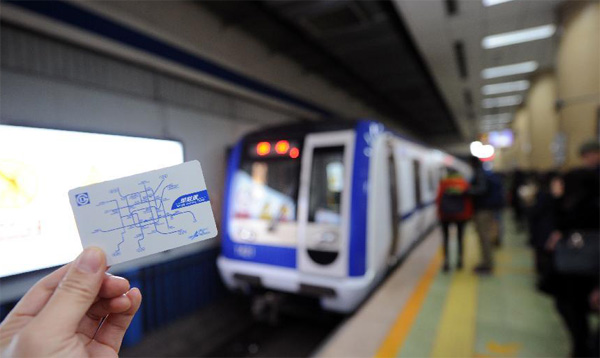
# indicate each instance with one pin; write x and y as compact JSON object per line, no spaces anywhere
{"x":145,"y":213}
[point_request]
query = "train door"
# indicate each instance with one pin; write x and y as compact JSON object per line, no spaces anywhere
{"x":432,"y":183}
{"x":324,"y":203}
{"x":418,"y":189}
{"x":443,"y":172}
{"x":394,"y":205}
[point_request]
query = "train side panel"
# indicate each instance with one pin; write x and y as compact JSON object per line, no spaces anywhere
{"x":379,"y":236}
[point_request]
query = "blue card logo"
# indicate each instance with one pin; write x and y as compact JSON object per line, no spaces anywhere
{"x":190,"y":199}
{"x":82,"y":199}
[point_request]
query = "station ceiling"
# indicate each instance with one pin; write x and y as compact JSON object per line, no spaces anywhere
{"x":360,"y":46}
{"x":449,"y":36}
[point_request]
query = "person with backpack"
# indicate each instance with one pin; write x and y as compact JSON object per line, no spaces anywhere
{"x":453,"y":207}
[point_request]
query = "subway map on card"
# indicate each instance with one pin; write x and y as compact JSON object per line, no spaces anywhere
{"x":145,"y":213}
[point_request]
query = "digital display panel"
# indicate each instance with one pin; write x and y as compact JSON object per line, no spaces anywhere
{"x":275,"y":149}
{"x":37,"y":169}
{"x":501,"y":139}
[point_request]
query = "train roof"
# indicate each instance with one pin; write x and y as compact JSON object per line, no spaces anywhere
{"x":300,"y":129}
{"x":303,"y":127}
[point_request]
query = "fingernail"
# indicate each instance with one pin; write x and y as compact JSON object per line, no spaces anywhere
{"x":90,"y":260}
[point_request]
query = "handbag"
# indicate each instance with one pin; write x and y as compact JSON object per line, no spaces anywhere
{"x":578,"y":254}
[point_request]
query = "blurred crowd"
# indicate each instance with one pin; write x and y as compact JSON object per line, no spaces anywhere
{"x":560,"y":212}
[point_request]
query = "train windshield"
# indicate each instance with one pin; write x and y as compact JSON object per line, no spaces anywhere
{"x":265,"y":194}
{"x":267,"y":189}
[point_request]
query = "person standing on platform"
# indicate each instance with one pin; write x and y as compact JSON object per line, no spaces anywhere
{"x":518,"y":180}
{"x":542,"y":222}
{"x":578,"y":228}
{"x":453,"y":207}
{"x":487,"y":194}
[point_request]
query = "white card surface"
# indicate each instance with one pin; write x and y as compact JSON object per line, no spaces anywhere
{"x":146,"y":213}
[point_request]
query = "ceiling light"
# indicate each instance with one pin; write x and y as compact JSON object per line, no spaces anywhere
{"x":475,"y":147}
{"x":481,"y":150}
{"x":497,"y":118}
{"x":502,"y":101}
{"x":519,"y":36}
{"x":509,"y":70}
{"x":505,"y":87}
{"x":494,"y":2}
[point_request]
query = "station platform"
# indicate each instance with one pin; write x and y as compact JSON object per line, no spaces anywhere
{"x":420,"y":311}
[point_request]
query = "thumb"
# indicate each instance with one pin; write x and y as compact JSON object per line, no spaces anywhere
{"x":75,"y":293}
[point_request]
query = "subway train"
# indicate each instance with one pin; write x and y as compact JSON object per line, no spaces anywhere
{"x":326,"y":209}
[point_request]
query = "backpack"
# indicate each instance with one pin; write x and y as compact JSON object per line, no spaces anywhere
{"x":452,"y":201}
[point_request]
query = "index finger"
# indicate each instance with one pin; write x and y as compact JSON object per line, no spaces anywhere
{"x":38,"y":295}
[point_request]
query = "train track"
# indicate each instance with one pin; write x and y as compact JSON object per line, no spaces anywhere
{"x":229,"y":328}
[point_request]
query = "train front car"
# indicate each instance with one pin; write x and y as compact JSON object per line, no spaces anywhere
{"x":295,"y":212}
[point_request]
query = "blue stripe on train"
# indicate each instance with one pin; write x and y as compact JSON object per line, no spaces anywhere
{"x":357,"y":262}
{"x":264,"y":254}
{"x":415,"y":210}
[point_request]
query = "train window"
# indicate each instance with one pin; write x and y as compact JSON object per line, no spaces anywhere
{"x":417,"y":181}
{"x":393,"y":187}
{"x":443,"y":171}
{"x":431,"y":178}
{"x":326,"y":185}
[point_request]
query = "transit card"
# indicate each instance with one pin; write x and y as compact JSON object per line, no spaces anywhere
{"x":146,"y":213}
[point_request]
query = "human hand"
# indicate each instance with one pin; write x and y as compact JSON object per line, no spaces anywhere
{"x":78,"y":310}
{"x":553,"y":240}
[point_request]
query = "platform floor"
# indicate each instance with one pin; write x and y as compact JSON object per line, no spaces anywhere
{"x":421,"y":311}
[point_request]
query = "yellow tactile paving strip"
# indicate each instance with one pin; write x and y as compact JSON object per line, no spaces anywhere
{"x":466,"y":315}
{"x":456,"y":331}
{"x":406,"y":318}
